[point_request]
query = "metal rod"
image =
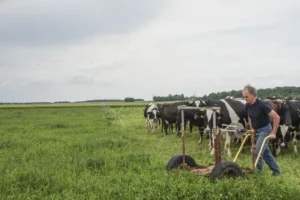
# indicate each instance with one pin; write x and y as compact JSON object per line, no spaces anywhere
{"x":182,"y":120}
{"x":229,"y":131}
{"x":182,"y":107}
{"x":216,"y":140}
{"x":214,"y":119}
{"x":240,"y":149}
{"x":261,"y":148}
{"x":182,"y":136}
{"x":218,"y":149}
{"x":234,"y":126}
{"x":253,"y":149}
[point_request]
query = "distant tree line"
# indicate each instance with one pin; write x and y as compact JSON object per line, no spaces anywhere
{"x":25,"y":102}
{"x":278,"y":92}
{"x":130,"y":99}
{"x":99,"y":100}
{"x":127,"y":99}
{"x":170,"y":97}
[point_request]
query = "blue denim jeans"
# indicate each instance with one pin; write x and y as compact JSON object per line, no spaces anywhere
{"x":266,"y":154}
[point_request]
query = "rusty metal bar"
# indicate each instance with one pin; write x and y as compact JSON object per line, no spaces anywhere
{"x":216,"y":136}
{"x":183,"y":107}
{"x":182,"y":136}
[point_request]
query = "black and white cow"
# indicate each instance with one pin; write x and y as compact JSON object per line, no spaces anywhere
{"x":169,"y":114}
{"x":169,"y":126}
{"x":283,"y":110}
{"x":194,"y":117}
{"x":232,"y":115}
{"x":294,"y":108}
{"x":151,"y":113}
{"x":198,"y":118}
{"x":209,"y":121}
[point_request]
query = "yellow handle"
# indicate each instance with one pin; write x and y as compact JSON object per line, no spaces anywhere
{"x":261,"y":148}
{"x":241,"y":147}
{"x":251,"y":131}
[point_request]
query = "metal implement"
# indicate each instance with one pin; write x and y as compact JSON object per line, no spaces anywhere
{"x":216,"y":136}
{"x":221,"y":169}
{"x":254,"y":161}
{"x":182,"y":136}
{"x":182,"y":107}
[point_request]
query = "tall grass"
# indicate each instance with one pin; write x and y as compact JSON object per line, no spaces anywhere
{"x":85,"y":153}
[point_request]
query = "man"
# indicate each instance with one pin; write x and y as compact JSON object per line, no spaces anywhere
{"x":259,"y":114}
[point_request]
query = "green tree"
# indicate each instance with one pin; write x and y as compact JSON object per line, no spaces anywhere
{"x":129,"y":99}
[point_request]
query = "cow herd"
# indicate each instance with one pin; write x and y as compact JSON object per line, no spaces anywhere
{"x":231,"y":120}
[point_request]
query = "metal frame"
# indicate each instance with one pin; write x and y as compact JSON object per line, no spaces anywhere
{"x":216,"y":136}
{"x":206,"y":170}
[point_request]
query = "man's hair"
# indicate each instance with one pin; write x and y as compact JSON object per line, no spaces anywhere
{"x":251,"y":89}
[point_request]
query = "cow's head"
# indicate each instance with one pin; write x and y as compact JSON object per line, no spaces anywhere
{"x":153,"y":113}
{"x":282,"y":109}
{"x":198,"y":103}
{"x":285,"y":115}
{"x":199,"y":114}
{"x":209,"y":119}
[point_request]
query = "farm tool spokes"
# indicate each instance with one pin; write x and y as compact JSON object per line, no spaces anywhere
{"x":111,"y":113}
{"x":117,"y":115}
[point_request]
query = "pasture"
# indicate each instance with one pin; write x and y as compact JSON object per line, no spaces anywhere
{"x":82,"y":152}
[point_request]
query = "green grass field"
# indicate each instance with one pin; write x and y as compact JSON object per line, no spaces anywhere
{"x":82,"y":152}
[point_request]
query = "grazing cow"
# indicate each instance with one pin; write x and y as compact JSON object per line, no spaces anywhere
{"x":198,"y":118}
{"x":194,"y":117}
{"x":209,"y":121}
{"x":151,"y":113}
{"x":232,"y":115}
{"x":283,"y":110}
{"x":170,"y":126}
{"x":294,"y":107}
{"x":169,"y":115}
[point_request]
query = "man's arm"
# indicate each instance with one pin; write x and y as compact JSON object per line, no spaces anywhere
{"x":275,"y":118}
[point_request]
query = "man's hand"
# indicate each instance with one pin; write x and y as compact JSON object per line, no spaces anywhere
{"x":273,"y":136}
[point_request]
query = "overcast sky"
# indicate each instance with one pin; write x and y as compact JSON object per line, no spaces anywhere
{"x":73,"y":50}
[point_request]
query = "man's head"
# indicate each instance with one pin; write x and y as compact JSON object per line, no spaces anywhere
{"x":249,"y":94}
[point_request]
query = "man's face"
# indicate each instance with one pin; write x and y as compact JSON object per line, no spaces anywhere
{"x":249,"y":98}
